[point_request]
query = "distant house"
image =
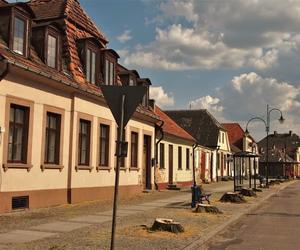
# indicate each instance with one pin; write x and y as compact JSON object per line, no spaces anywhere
{"x":240,"y":142}
{"x":174,"y":154}
{"x":284,"y":154}
{"x":209,"y":134}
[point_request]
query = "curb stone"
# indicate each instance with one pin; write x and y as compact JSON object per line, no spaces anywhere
{"x":200,"y":241}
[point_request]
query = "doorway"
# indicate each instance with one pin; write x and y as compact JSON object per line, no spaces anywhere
{"x":170,"y":164}
{"x":147,"y":161}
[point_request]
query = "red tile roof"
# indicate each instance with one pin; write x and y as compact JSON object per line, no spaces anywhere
{"x":171,"y":127}
{"x":76,"y":25}
{"x":235,"y":133}
{"x":3,"y":3}
{"x":70,"y":9}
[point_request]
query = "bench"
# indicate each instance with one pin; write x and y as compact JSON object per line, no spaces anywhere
{"x":198,"y":196}
{"x":203,"y":196}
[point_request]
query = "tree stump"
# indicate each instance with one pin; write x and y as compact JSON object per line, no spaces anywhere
{"x":167,"y":225}
{"x":206,"y":208}
{"x":248,"y":192}
{"x":232,"y":197}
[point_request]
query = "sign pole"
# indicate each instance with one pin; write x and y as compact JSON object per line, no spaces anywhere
{"x":119,"y":157}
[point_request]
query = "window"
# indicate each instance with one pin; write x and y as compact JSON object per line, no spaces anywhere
{"x":19,"y":37}
{"x":179,"y":158}
{"x":222,"y":137}
{"x":104,"y":145}
{"x":187,"y":158}
{"x":52,"y":142}
{"x":90,"y":66}
{"x":18,"y":134}
{"x":162,"y":155}
{"x":145,"y":99}
{"x":131,"y":81}
{"x":134,"y":149}
{"x":84,"y":142}
{"x":109,"y":72}
{"x":52,"y":51}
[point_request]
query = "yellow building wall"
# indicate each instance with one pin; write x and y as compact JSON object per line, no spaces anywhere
{"x":36,"y":179}
{"x":179,"y":175}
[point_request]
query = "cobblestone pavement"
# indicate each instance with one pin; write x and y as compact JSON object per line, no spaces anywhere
{"x":88,"y":225}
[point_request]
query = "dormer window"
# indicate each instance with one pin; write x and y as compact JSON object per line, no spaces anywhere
{"x":131,"y":81}
{"x":52,"y":50}
{"x":90,"y":66}
{"x":109,"y":72}
{"x":109,"y":59}
{"x":19,"y":35}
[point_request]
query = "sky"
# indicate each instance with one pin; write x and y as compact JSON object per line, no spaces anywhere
{"x":231,"y":57}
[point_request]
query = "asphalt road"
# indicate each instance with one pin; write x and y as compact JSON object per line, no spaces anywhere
{"x":275,"y":225}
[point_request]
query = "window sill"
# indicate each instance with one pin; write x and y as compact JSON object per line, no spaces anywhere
{"x":179,"y":169}
{"x":6,"y":166}
{"x":134,"y":169}
{"x":84,"y":168}
{"x":122,"y":169}
{"x":102,"y":168}
{"x":51,"y":166}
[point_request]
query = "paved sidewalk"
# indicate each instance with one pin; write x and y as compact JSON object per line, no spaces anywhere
{"x":91,"y":230}
{"x":57,"y":227}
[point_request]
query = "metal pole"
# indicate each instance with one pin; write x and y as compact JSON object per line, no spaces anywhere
{"x":234,"y":175}
{"x":255,"y":173}
{"x":194,"y":168}
{"x":119,"y":161}
{"x":249,"y":162}
{"x":267,"y":156}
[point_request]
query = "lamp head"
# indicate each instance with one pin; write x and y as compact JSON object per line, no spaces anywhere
{"x":247,"y":132}
{"x":281,"y":119}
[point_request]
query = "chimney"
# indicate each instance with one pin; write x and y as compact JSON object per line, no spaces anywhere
{"x":152,"y":103}
{"x":275,"y":132}
{"x":290,"y":133}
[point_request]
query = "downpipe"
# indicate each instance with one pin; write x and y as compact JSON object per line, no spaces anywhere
{"x":158,"y":128}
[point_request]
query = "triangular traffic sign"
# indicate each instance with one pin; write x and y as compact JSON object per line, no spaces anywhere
{"x":113,"y":96}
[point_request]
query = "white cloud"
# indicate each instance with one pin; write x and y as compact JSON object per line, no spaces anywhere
{"x":221,"y":34}
{"x":125,"y":36}
{"x":161,"y":98}
{"x":247,"y":95}
{"x":207,"y":102}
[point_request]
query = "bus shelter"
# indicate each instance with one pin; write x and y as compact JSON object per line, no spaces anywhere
{"x":245,"y":169}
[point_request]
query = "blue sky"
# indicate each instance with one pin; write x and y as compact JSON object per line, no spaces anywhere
{"x":231,"y":57}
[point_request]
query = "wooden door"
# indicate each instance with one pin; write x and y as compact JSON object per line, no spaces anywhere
{"x":170,"y":164}
{"x":203,"y":165}
{"x":147,"y":160}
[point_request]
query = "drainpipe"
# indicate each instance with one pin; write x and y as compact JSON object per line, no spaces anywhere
{"x":4,"y":67}
{"x":3,"y":72}
{"x":194,"y":168}
{"x":158,"y":128}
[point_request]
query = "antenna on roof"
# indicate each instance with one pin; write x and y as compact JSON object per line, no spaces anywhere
{"x":190,"y":105}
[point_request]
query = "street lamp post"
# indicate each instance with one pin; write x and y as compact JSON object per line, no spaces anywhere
{"x":267,"y":126}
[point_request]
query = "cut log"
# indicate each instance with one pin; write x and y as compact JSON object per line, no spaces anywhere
{"x":206,"y":208}
{"x":248,"y":192}
{"x":232,"y":197}
{"x":167,"y":225}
